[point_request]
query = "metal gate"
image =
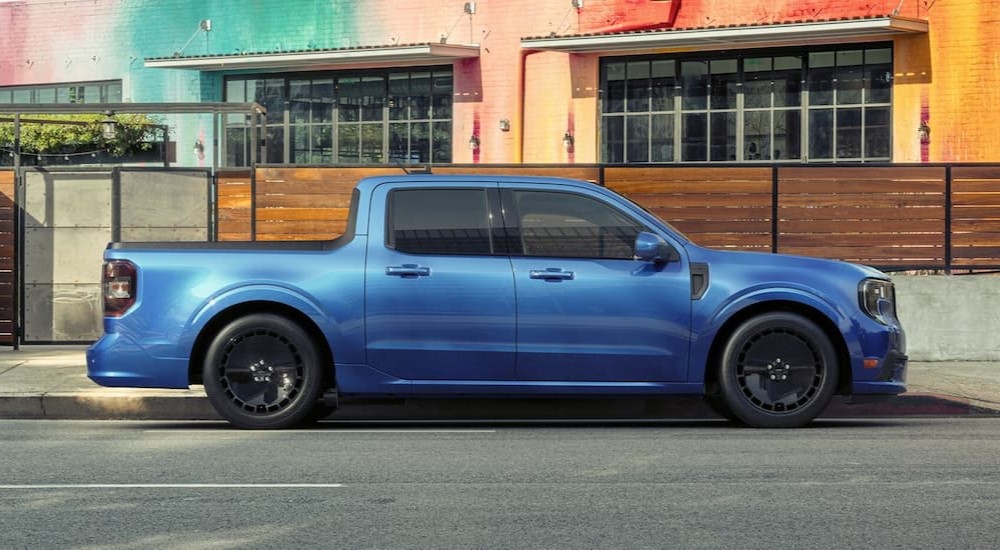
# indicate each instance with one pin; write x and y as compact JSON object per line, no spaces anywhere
{"x":68,"y":218}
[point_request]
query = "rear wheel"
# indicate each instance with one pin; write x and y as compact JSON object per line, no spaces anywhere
{"x":778,"y":370}
{"x":263,"y":371}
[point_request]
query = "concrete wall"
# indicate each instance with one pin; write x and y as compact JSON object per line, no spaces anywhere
{"x":950,"y":318}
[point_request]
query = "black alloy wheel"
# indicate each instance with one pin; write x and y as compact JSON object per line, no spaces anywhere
{"x":263,"y":371}
{"x":778,"y":370}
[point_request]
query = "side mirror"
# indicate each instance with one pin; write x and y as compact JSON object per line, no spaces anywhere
{"x":652,"y":248}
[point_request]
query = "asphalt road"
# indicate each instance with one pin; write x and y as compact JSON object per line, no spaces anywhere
{"x":909,"y":483}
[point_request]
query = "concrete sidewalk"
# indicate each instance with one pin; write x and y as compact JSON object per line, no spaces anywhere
{"x":51,"y":382}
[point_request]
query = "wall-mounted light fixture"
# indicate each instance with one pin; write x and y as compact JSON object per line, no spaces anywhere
{"x":504,"y":125}
{"x":924,"y":131}
{"x":199,"y":147}
{"x":568,"y":141}
{"x":474,"y":142}
{"x":469,"y":8}
{"x":578,"y":4}
{"x":109,"y":125}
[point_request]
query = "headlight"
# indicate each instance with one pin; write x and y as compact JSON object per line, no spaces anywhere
{"x":878,"y":300}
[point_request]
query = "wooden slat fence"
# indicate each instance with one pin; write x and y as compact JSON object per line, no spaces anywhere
{"x":7,"y":260}
{"x":887,"y":216}
{"x":233,"y":201}
{"x":975,"y":216}
{"x":717,"y":207}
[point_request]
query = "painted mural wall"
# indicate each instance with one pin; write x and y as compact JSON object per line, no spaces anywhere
{"x":948,"y":78}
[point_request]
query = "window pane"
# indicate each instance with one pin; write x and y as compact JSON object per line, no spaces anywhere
{"x":373,"y":98}
{"x":757,"y":135}
{"x":114,"y":93}
{"x":694,"y":137}
{"x":438,"y":221}
{"x":849,"y":72}
{"x":299,"y":138}
{"x":614,"y":93}
{"x":399,"y":93}
{"x":371,"y":143}
{"x":236,"y":91}
{"x":821,"y":134}
{"x":22,"y":96}
{"x":420,"y":100}
{"x":821,"y":74}
{"x":637,"y":86}
{"x":399,"y":143}
{"x":694,"y":81}
{"x":849,"y":133}
{"x":236,"y":147}
{"x":349,"y":99}
{"x":662,"y":138}
{"x":878,"y":82}
{"x":757,"y":83}
{"x":723,"y":136}
{"x":787,"y":81}
{"x":787,"y":135}
{"x":322,"y":100}
{"x":322,"y":144}
{"x":271,"y":94}
{"x":300,"y":97}
{"x":5,"y":96}
{"x":441,"y":107}
{"x":662,"y":86}
{"x":275,"y":145}
{"x":877,"y":125}
{"x":441,"y":139}
{"x":566,"y":225}
{"x":91,"y":94}
{"x":724,"y":83}
{"x":45,"y":95}
{"x":420,"y":141}
{"x":638,"y":138}
{"x":348,"y":143}
{"x":613,"y":135}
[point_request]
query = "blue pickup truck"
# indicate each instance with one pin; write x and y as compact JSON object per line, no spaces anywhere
{"x":494,"y":287}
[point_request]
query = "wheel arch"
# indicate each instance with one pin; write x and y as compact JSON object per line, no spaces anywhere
{"x":196,"y":363}
{"x":827,"y":325}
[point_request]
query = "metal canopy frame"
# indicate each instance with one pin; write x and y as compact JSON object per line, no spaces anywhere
{"x":254,"y":111}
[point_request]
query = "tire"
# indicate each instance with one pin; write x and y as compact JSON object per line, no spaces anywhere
{"x":778,"y":370}
{"x":263,"y":371}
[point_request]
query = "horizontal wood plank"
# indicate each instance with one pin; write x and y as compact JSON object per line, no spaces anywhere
{"x":914,"y":240}
{"x":876,"y":227}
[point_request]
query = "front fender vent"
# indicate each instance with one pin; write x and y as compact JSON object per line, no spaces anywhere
{"x":699,"y":280}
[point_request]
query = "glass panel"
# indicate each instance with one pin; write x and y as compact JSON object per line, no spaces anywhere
{"x":725,"y":83}
{"x":614,"y":92}
{"x":662,"y":138}
{"x":348,"y":143}
{"x":821,"y":134}
{"x":757,"y":135}
{"x":787,"y":135}
{"x":348,"y":99}
{"x":299,"y":137}
{"x":271,"y":94}
{"x":442,"y":142}
{"x":442,"y":83}
{"x":236,"y":147}
{"x":662,"y":86}
{"x":420,"y":142}
{"x":849,"y":72}
{"x":5,"y":96}
{"x":420,"y":101}
{"x":399,"y":143}
{"x":420,"y":83}
{"x":322,"y":144}
{"x":322,"y":100}
{"x":849,"y":133}
{"x":723,"y":137}
{"x":637,"y":87}
{"x":22,"y":96}
{"x":63,"y":94}
{"x":441,"y":107}
{"x":114,"y":93}
{"x":399,"y":92}
{"x":565,"y":225}
{"x":373,"y":98}
{"x":878,"y":76}
{"x":787,"y":81}
{"x":613,"y":135}
{"x":757,"y":83}
{"x":694,"y":81}
{"x":694,"y":137}
{"x":877,"y":137}
{"x":91,"y":94}
{"x":638,"y":139}
{"x":300,"y":95}
{"x":275,"y":145}
{"x":371,"y":143}
{"x":821,"y":74}
{"x":45,"y":95}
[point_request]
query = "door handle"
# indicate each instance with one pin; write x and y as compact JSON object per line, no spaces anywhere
{"x":408,"y":270}
{"x":551,"y":274}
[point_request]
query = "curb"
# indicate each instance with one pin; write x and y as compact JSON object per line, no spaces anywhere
{"x":193,"y":405}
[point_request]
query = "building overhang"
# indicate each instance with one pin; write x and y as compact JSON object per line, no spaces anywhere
{"x":733,"y":37}
{"x":395,"y":55}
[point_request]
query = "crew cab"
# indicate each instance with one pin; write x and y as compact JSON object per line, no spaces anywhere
{"x":494,"y":287}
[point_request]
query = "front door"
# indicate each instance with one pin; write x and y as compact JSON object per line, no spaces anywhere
{"x":586,"y":309}
{"x":439,"y":294}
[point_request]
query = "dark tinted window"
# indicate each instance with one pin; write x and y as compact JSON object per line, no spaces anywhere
{"x":439,"y":221}
{"x":566,"y":225}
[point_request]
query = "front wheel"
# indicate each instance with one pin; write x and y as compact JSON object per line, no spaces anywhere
{"x":263,"y":371}
{"x":778,"y":370}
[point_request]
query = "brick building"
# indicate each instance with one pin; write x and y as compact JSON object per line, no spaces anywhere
{"x":557,"y":81}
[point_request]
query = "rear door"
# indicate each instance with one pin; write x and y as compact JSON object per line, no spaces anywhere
{"x":439,"y":287}
{"x":586,"y":309}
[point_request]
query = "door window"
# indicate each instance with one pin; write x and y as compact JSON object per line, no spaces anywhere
{"x":439,"y":221}
{"x":573,"y":226}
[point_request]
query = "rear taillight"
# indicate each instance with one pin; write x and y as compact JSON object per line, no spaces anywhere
{"x":119,"y":287}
